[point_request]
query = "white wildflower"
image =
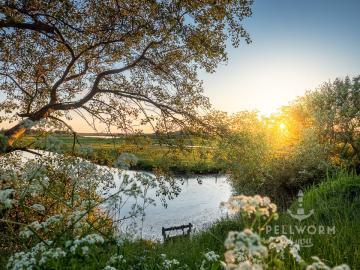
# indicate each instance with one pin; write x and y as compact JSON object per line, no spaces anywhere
{"x":244,"y":245}
{"x":36,"y":225}
{"x":85,"y":250}
{"x":25,"y":233}
{"x":256,"y":205}
{"x":28,"y":260}
{"x":53,"y":253}
{"x":211,"y":256}
{"x":86,"y":240}
{"x":108,"y":267}
{"x":168,"y":264}
{"x":281,"y":243}
{"x":5,"y":198}
{"x":341,"y":267}
{"x":320,"y":265}
{"x":247,"y":265}
{"x":115,"y":259}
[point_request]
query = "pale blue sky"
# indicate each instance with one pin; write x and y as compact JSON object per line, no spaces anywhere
{"x":296,"y":46}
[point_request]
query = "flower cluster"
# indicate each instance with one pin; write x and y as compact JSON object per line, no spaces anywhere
{"x":116,"y":259}
{"x":36,"y":226}
{"x":211,"y":259}
{"x":247,"y":265}
{"x":90,"y":239}
{"x":246,"y":250}
{"x":251,"y":205}
{"x":38,"y":207}
{"x":37,"y":255}
{"x":320,"y":265}
{"x":168,"y":264}
{"x":244,"y":246}
{"x":281,"y":243}
{"x":108,"y":267}
{"x":211,"y":256}
{"x":5,"y":198}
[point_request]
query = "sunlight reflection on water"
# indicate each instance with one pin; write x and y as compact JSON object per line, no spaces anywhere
{"x":197,"y":203}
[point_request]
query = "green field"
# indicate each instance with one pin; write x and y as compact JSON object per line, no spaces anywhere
{"x":176,"y":154}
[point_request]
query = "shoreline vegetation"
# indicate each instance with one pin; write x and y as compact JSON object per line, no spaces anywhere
{"x":187,"y":159}
{"x":335,"y":202}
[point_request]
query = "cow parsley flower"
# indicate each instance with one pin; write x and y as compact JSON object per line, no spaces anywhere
{"x":211,"y":256}
{"x":242,"y":246}
{"x":52,"y":253}
{"x":85,"y":250}
{"x":108,"y":267}
{"x":28,"y":260}
{"x":320,"y":265}
{"x":5,"y":198}
{"x":168,"y":264}
{"x":251,"y":206}
{"x":116,"y":259}
{"x":86,"y":240}
{"x":25,"y":233}
{"x":281,"y":243}
{"x":247,"y":265}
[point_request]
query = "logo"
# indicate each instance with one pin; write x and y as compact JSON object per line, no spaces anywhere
{"x":300,"y":233}
{"x":300,"y":213}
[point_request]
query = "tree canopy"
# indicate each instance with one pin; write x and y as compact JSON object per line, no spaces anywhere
{"x":117,"y":62}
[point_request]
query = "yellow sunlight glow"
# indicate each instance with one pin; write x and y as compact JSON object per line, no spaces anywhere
{"x":282,"y":126}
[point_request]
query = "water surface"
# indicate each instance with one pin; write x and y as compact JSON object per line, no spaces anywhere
{"x":197,"y":203}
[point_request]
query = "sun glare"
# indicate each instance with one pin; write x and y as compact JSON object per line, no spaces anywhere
{"x":282,"y":126}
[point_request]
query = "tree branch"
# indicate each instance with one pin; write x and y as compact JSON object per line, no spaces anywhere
{"x":35,"y":26}
{"x":94,"y":90}
{"x":17,"y":84}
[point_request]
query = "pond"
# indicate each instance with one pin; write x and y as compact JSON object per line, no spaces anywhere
{"x":198,"y":203}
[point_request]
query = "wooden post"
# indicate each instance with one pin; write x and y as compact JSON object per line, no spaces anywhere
{"x":163,"y":233}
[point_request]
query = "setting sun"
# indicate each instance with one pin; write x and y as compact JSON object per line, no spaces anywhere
{"x":282,"y":126}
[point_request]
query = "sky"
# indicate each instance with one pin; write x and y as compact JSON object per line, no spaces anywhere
{"x":297,"y":45}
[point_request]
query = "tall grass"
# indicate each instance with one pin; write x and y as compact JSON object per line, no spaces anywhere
{"x":336,"y":202}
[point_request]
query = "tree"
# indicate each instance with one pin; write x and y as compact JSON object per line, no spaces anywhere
{"x":117,"y":62}
{"x":336,"y":113}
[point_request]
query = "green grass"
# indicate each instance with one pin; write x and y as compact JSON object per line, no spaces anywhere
{"x":174,"y":154}
{"x":336,"y":202}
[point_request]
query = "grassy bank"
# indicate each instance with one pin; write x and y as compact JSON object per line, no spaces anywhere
{"x":336,"y":202}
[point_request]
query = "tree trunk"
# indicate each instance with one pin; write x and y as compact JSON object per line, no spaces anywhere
{"x":17,"y":131}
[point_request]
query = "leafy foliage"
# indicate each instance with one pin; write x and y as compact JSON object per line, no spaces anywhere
{"x":120,"y":64}
{"x":279,"y":154}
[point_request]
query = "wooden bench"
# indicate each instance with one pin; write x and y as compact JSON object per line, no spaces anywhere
{"x":176,"y":228}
